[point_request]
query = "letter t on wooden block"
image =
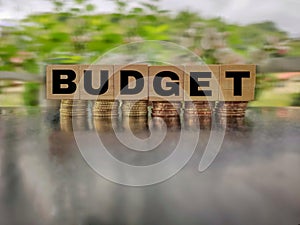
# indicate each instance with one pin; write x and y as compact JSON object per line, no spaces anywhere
{"x":131,"y":82}
{"x":96,"y":82}
{"x":166,"y":83}
{"x":237,"y":82}
{"x":201,"y":83}
{"x":62,"y":81}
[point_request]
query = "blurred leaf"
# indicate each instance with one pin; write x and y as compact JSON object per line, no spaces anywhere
{"x":75,"y":10}
{"x":155,"y":33}
{"x":31,"y":93}
{"x":79,"y":1}
{"x":151,"y":18}
{"x":63,"y":17}
{"x":90,"y":7}
{"x":112,"y":38}
{"x":163,"y":11}
{"x":58,"y":4}
{"x":149,"y":6}
{"x":31,"y":66}
{"x":121,"y":3}
{"x":137,"y":10}
{"x":59,"y":36}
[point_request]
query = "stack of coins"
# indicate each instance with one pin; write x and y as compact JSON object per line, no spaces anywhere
{"x":66,"y":124}
{"x":135,"y":108}
{"x":70,"y":108}
{"x":106,"y":108}
{"x":231,"y":109}
{"x":166,"y":109}
{"x":198,"y":108}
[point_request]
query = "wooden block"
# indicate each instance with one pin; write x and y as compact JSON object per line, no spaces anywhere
{"x":228,"y":95}
{"x":131,"y":82}
{"x":237,"y":70}
{"x":56,"y":76}
{"x":96,"y":82}
{"x":161,"y":80}
{"x":207,"y":75}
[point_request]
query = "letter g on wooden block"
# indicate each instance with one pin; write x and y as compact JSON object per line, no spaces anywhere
{"x":166,"y":83}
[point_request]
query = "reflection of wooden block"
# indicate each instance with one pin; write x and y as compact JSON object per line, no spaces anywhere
{"x":166,"y":83}
{"x":228,"y":83}
{"x":247,"y":95}
{"x":207,"y":75}
{"x":136,"y":77}
{"x":59,"y":73}
{"x":94,"y":80}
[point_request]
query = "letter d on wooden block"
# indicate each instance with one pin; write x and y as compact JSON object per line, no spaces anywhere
{"x":166,"y":83}
{"x":62,"y":81}
{"x":237,"y":82}
{"x":131,"y":82}
{"x":202,"y":82}
{"x":96,"y":82}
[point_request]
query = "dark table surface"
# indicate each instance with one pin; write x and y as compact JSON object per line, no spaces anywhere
{"x":253,"y":180}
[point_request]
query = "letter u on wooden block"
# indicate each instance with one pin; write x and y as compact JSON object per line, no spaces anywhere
{"x":131,"y":82}
{"x":166,"y":83}
{"x":201,"y":83}
{"x":96,"y":82}
{"x":62,"y":81}
{"x":237,"y":82}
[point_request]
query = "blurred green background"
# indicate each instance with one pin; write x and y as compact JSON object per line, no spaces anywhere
{"x":77,"y":33}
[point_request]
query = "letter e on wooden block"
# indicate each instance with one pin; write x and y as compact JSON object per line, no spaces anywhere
{"x":166,"y":83}
{"x":62,"y":81}
{"x":131,"y":82}
{"x":237,"y":82}
{"x":201,"y":83}
{"x":96,"y":82}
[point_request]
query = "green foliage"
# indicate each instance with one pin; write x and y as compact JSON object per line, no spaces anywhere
{"x":90,"y":7}
{"x":294,"y":48}
{"x":264,"y":81}
{"x":74,"y":31}
{"x":296,"y":99}
{"x":31,"y":94}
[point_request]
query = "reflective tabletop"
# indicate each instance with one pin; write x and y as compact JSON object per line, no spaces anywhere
{"x":45,"y":178}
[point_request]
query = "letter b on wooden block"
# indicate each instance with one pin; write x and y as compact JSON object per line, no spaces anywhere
{"x":96,"y":82}
{"x":62,"y":81}
{"x":237,"y":82}
{"x":131,"y":82}
{"x":166,"y":83}
{"x":201,"y":83}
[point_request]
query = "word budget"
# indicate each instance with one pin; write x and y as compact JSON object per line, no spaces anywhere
{"x":153,"y":83}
